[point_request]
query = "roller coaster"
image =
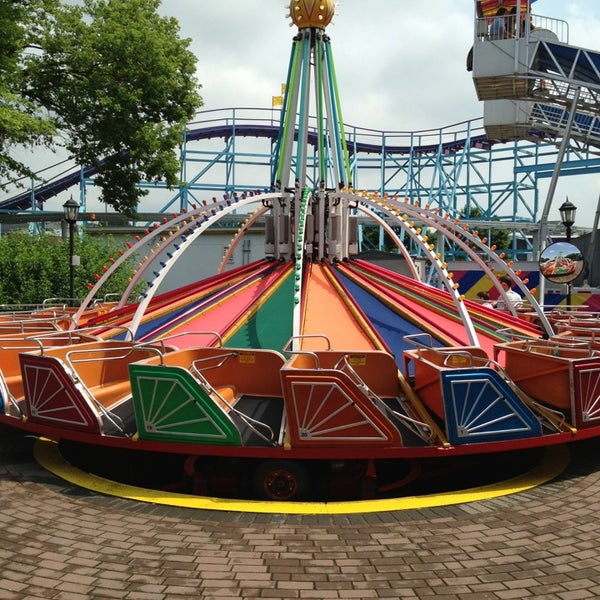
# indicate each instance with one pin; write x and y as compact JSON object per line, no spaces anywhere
{"x":490,"y":168}
{"x":457,"y":167}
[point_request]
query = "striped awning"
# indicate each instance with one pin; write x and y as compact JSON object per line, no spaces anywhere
{"x":490,"y":7}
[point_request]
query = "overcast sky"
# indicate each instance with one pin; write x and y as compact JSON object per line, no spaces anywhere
{"x":400,"y":64}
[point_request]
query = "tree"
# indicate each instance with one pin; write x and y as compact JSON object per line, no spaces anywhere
{"x":371,"y":238}
{"x":36,"y":267}
{"x":499,"y":237}
{"x":22,"y":122}
{"x":115,"y":83}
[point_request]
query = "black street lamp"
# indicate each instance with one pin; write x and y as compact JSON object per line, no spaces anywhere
{"x":567,"y":212}
{"x":71,"y":210}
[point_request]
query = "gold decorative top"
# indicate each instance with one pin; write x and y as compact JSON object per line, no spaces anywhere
{"x":312,"y":13}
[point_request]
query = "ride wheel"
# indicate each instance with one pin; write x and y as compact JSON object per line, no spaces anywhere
{"x":281,"y":480}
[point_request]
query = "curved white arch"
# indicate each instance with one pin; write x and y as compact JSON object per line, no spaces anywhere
{"x":190,"y":225}
{"x":186,"y":242}
{"x":131,"y":250}
{"x":454,"y":231}
{"x":159,"y":231}
{"x":259,"y":212}
{"x":397,"y":241}
{"x":445,"y":276}
{"x":432,"y":217}
{"x":179,"y":232}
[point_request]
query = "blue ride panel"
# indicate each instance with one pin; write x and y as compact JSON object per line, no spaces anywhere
{"x":391,"y":326}
{"x":480,"y":406}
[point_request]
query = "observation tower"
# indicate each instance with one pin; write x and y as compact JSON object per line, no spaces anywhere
{"x":535,"y":85}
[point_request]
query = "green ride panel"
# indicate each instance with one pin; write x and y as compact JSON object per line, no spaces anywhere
{"x":170,"y":406}
{"x":271,"y":326}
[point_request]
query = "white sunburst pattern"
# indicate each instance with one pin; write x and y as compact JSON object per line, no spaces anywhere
{"x":317,"y":420}
{"x":481,"y":409}
{"x":588,"y":391}
{"x":164,"y":400}
{"x":48,"y":399}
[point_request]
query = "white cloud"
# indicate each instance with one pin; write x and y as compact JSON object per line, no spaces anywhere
{"x":394,"y":60}
{"x":400,"y":64}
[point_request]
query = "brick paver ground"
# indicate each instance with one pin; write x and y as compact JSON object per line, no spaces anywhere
{"x":61,"y":542}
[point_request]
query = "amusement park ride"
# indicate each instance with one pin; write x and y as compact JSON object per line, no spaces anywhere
{"x":311,"y":358}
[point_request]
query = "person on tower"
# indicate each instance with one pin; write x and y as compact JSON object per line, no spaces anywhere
{"x":498,"y":29}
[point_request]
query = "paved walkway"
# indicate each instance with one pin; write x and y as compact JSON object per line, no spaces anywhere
{"x":61,"y":542}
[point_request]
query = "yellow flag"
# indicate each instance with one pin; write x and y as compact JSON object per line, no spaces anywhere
{"x":277,"y":101}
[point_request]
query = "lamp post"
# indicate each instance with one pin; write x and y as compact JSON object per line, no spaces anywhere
{"x":71,"y":211}
{"x":567,"y":212}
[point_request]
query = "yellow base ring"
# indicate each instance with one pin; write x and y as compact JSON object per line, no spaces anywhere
{"x":555,"y":461}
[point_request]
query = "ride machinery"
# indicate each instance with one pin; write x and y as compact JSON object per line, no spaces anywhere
{"x":309,"y":368}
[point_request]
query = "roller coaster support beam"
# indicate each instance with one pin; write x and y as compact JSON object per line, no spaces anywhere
{"x":552,"y":187}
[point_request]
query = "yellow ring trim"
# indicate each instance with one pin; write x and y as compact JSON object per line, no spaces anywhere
{"x":556,"y":459}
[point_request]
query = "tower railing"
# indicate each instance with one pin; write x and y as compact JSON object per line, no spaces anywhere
{"x":537,"y":22}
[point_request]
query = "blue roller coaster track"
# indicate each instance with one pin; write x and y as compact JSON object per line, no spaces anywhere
{"x":455,"y":168}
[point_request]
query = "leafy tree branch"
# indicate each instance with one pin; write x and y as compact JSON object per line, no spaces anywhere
{"x":110,"y":80}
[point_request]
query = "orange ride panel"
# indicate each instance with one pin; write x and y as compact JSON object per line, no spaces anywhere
{"x":326,"y":313}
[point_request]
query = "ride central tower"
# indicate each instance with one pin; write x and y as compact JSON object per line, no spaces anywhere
{"x":311,"y":219}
